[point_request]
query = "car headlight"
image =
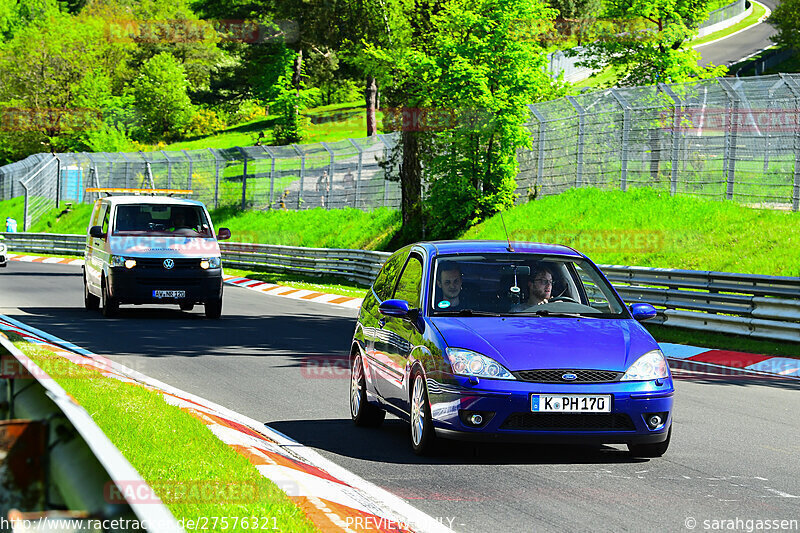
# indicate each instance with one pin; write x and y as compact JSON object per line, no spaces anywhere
{"x":651,"y":365}
{"x":209,"y":262}
{"x":469,"y":363}
{"x":2,"y":248}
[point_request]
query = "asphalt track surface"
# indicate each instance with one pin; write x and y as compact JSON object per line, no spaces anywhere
{"x":734,"y":452}
{"x":733,"y":49}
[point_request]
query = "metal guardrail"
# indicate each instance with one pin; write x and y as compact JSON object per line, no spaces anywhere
{"x":743,"y":304}
{"x":57,"y":457}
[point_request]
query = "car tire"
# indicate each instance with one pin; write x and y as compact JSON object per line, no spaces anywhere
{"x":363,"y":413}
{"x":651,"y":450}
{"x":90,"y":301}
{"x":109,"y":305}
{"x":213,"y":308}
{"x":188,"y":307}
{"x":423,"y":436}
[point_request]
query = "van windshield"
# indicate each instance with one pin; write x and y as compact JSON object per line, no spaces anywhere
{"x":162,"y":219}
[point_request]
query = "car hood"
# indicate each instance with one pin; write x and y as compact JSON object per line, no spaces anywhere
{"x":527,"y":343}
{"x":164,"y":246}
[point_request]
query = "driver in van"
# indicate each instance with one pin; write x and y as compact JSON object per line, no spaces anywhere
{"x":179,"y":220}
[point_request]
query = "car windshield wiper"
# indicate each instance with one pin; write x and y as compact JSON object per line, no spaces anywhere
{"x":545,"y":312}
{"x":467,"y":312}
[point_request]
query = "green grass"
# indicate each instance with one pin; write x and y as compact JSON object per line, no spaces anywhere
{"x":757,"y":13}
{"x":723,"y":341}
{"x":172,"y":450}
{"x":681,"y":232}
{"x":326,"y":284}
{"x":316,"y":228}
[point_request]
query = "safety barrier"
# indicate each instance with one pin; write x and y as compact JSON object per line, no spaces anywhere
{"x":58,"y":465}
{"x":743,"y":304}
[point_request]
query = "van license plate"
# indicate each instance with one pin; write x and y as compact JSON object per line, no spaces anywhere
{"x":571,"y":403}
{"x":169,"y":294}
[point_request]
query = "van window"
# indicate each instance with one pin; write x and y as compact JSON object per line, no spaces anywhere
{"x":162,"y":219}
{"x":104,"y":225}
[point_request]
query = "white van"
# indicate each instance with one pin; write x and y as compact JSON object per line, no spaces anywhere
{"x":152,"y":250}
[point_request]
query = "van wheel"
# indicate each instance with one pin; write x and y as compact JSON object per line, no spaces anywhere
{"x":110,"y":306}
{"x":213,"y":308}
{"x":90,"y":301}
{"x":187,"y":307}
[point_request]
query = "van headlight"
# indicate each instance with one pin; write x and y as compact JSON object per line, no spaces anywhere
{"x":651,"y":365}
{"x":209,"y":262}
{"x":469,"y":363}
{"x":2,"y":248}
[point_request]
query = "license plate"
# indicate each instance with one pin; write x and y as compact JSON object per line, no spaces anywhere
{"x":571,"y":403}
{"x":169,"y":294}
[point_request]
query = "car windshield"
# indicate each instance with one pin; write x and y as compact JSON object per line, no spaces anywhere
{"x":162,"y":219}
{"x":521,"y":284}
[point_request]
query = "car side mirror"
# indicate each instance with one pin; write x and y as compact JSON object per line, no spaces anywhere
{"x":224,"y":234}
{"x":395,"y":308}
{"x":642,"y":312}
{"x":97,"y":232}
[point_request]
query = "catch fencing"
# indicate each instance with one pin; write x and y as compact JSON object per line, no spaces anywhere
{"x":725,"y":139}
{"x":743,"y":304}
{"x":352,"y":173}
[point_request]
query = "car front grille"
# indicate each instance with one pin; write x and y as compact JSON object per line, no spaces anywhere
{"x":555,"y":376}
{"x":180,"y":263}
{"x":569,"y":422}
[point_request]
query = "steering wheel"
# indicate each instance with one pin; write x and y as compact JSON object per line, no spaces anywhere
{"x":562,"y":299}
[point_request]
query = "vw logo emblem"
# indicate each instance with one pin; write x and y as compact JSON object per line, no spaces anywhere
{"x":569,"y":376}
{"x":168,"y":264}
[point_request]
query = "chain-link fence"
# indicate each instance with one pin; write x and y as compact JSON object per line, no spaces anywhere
{"x":726,"y":138}
{"x":350,"y":173}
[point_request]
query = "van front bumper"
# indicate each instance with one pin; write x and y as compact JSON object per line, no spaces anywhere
{"x":139,"y":286}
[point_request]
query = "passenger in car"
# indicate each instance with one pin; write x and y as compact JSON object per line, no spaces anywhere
{"x":448,"y":287}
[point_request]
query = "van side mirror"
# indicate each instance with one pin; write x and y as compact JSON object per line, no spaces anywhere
{"x":97,"y":232}
{"x":224,"y":234}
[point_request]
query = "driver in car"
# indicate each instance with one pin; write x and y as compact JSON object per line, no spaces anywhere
{"x":448,"y":283}
{"x":540,"y":286}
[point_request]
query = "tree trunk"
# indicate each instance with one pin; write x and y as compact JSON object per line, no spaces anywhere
{"x":297,"y":71}
{"x":411,"y":182}
{"x":370,"y":94}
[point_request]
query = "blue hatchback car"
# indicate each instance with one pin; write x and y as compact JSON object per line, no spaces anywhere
{"x":486,"y":340}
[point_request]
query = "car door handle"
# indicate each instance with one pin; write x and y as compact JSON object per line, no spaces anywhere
{"x":382,"y":322}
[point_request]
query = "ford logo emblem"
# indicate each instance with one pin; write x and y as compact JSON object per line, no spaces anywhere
{"x":569,"y":376}
{"x":168,"y":264}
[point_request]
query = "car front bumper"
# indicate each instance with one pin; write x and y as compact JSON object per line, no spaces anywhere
{"x":505,"y":407}
{"x":136,"y":286}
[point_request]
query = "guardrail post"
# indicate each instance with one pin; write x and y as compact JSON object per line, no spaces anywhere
{"x":795,"y":90}
{"x":58,"y":182}
{"x":25,"y":216}
{"x":302,"y":174}
{"x":579,"y":148}
{"x":358,"y":175}
{"x":271,"y":174}
{"x":731,"y":131}
{"x":244,"y":179}
{"x":540,"y":148}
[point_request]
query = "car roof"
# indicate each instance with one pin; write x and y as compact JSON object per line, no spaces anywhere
{"x":162,"y":200}
{"x":479,"y":246}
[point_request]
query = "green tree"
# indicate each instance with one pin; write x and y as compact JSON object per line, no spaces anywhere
{"x":645,"y":41}
{"x":161,"y":99}
{"x":786,"y":19}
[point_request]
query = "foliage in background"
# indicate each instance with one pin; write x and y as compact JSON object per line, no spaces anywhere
{"x":786,"y":19}
{"x":160,"y":97}
{"x":646,"y":41}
